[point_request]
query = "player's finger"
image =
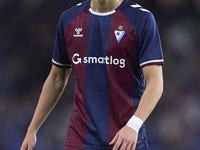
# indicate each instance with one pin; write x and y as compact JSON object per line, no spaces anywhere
{"x":129,"y":146}
{"x":117,"y":144}
{"x":123,"y":146}
{"x":30,"y":148}
{"x":133,"y":146}
{"x":114,"y":139}
{"x":24,"y":147}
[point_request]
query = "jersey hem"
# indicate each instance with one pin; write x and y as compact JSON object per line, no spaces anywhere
{"x":95,"y":148}
{"x":87,"y":147}
{"x":73,"y":145}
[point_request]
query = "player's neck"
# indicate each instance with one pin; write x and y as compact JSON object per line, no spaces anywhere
{"x":105,"y":5}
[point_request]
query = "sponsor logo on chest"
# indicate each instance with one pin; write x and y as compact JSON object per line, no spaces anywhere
{"x":77,"y":59}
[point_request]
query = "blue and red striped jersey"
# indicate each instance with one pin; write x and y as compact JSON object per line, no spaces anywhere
{"x":107,"y":52}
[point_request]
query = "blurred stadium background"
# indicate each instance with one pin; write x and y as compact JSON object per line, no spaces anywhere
{"x":27,"y":33}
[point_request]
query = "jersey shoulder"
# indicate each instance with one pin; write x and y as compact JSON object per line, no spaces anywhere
{"x":138,"y":16}
{"x":135,"y":12}
{"x":68,"y":15}
{"x":132,"y":7}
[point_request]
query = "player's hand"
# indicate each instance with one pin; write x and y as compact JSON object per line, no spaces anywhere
{"x":125,"y":139}
{"x":29,"y":141}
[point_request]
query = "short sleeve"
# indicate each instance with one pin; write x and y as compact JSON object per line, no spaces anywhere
{"x":150,"y":49}
{"x":60,"y":57}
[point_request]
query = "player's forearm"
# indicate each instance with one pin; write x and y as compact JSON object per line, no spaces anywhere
{"x":51,"y":92}
{"x":150,"y":98}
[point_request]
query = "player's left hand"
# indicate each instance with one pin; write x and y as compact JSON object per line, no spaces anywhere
{"x":125,"y":139}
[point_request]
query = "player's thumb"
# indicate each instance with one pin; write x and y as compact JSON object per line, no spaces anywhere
{"x":30,"y":146}
{"x":114,"y":139}
{"x":24,"y":147}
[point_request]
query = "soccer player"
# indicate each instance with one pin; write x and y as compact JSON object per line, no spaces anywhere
{"x":115,"y":50}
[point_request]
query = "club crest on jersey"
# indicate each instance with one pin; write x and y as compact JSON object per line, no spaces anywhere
{"x":78,"y":32}
{"x":119,"y":33}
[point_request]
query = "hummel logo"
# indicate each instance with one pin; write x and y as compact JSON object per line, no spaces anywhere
{"x":78,"y":31}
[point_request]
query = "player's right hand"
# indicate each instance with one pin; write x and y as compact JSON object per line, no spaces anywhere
{"x":29,"y":141}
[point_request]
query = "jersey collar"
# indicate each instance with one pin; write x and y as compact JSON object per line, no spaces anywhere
{"x":108,"y":13}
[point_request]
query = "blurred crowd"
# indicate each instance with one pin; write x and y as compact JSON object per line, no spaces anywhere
{"x":27,"y":33}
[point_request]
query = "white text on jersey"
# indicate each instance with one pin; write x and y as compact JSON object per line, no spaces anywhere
{"x":76,"y":59}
